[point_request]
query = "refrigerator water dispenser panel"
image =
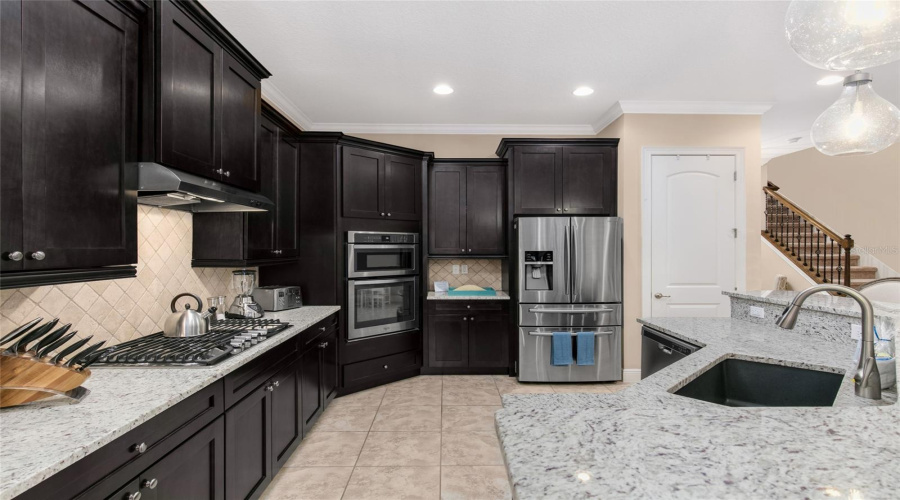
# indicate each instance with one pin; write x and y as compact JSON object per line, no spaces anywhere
{"x":538,"y":270}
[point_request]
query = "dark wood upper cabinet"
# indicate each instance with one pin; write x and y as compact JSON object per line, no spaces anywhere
{"x":562,"y":176}
{"x":377,"y":185}
{"x":258,"y":238}
{"x":402,"y":187}
{"x":466,"y":208}
{"x":70,"y":135}
{"x":209,"y":97}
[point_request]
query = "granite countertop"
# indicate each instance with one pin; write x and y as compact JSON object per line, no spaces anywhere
{"x":501,"y":295}
{"x":37,"y":441}
{"x":823,"y":302}
{"x":645,"y":441}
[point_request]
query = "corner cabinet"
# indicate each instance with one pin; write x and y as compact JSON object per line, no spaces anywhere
{"x":69,"y":139}
{"x":562,"y":176}
{"x":377,"y":185}
{"x":258,"y":238}
{"x":467,"y":336}
{"x":467,"y":207}
{"x":209,"y":100}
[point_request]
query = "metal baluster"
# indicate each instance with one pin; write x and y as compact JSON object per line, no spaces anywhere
{"x":818,"y":262}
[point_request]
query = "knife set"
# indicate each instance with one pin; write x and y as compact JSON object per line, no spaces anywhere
{"x":36,"y":363}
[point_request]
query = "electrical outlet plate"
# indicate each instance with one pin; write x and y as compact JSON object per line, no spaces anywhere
{"x":464,"y":269}
{"x":757,"y":312}
{"x":455,"y":269}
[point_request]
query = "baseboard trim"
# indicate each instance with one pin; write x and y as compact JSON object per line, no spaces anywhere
{"x":631,"y":375}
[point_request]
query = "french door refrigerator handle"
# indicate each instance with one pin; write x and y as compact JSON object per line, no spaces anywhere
{"x":574,"y":258}
{"x":550,"y":334}
{"x":570,"y":311}
{"x":568,"y":257}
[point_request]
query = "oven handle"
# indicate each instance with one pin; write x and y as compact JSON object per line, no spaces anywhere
{"x":550,"y":334}
{"x":364,"y":246}
{"x":358,"y":282}
{"x":571,"y":311}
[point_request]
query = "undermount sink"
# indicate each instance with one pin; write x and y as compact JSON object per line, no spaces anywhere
{"x":737,"y":382}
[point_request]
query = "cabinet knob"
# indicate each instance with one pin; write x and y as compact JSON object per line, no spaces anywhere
{"x":389,"y":214}
{"x":140,"y":447}
{"x":15,"y":256}
{"x":472,"y":318}
{"x":149,"y":483}
{"x":133,"y":496}
{"x":557,"y":210}
{"x":323,"y":345}
{"x":382,"y":214}
{"x":276,"y":383}
{"x":470,"y":250}
{"x":321,"y":328}
{"x":220,"y":171}
{"x":463,"y":250}
{"x":385,"y":367}
{"x":465,"y":318}
{"x":468,"y":307}
{"x":227,"y":173}
{"x":565,"y":210}
{"x":270,"y":388}
{"x":39,"y":255}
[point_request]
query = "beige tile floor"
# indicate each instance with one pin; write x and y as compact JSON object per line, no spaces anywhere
{"x":427,"y":437}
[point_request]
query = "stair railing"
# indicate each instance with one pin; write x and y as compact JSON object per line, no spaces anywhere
{"x":820,"y":251}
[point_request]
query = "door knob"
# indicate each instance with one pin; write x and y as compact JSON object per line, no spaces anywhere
{"x":15,"y":256}
{"x":659,"y":295}
{"x":39,"y":255}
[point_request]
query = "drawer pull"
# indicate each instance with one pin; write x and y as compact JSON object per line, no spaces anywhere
{"x":149,"y":483}
{"x":133,"y":496}
{"x":385,"y":367}
{"x":550,"y":334}
{"x":140,"y":447}
{"x":15,"y":256}
{"x":570,"y":311}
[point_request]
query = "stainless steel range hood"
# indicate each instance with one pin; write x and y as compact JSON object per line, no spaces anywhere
{"x":165,"y":187}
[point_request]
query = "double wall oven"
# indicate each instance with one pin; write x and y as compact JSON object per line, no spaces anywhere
{"x":382,"y":283}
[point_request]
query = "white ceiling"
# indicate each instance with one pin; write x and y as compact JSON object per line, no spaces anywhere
{"x":370,"y":66}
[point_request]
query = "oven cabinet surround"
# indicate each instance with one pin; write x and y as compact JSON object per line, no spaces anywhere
{"x":467,"y":207}
{"x":69,"y":139}
{"x":227,"y":440}
{"x":562,"y":176}
{"x":467,"y":336}
{"x":208,"y":107}
{"x":258,"y":238}
{"x":328,"y":179}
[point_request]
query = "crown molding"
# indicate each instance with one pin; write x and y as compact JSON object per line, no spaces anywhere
{"x":610,"y":115}
{"x":695,"y":107}
{"x":425,"y":128}
{"x":280,"y":101}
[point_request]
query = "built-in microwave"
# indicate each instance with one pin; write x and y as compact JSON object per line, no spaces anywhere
{"x":371,"y":254}
{"x":382,"y":306}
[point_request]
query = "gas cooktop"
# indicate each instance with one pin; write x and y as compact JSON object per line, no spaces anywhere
{"x":225,"y":338}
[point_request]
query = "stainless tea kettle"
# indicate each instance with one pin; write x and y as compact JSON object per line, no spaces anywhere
{"x":187,"y":323}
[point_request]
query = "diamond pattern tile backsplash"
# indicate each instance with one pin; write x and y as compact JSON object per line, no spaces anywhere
{"x":123,"y":309}
{"x":482,"y":272}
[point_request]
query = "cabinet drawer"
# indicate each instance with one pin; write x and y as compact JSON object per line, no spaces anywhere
{"x":312,"y":333}
{"x":245,"y":379}
{"x":357,"y":372}
{"x":468,"y":305}
{"x":107,"y":469}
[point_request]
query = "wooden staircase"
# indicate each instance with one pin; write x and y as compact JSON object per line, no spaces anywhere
{"x":820,"y":252}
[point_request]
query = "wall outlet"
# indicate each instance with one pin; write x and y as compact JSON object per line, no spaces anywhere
{"x":757,"y":312}
{"x":856,"y":332}
{"x":464,"y":269}
{"x":455,"y":269}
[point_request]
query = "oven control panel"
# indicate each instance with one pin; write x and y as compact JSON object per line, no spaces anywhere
{"x":381,"y":238}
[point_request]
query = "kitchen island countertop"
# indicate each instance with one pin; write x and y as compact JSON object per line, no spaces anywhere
{"x":645,"y":442}
{"x":39,"y":440}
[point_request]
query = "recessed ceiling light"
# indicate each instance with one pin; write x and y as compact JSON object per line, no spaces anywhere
{"x":830,"y":80}
{"x":443,"y":89}
{"x":583,"y":91}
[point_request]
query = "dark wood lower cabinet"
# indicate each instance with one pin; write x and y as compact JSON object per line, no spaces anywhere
{"x":467,"y":336}
{"x":226,"y":441}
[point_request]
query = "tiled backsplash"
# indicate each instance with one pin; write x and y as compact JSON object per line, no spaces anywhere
{"x":120,"y":310}
{"x":482,"y":272}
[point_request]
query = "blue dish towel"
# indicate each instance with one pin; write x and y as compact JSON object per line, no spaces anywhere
{"x":561,"y":349}
{"x":584,"y":348}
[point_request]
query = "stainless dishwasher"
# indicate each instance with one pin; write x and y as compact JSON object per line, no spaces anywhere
{"x":659,"y":350}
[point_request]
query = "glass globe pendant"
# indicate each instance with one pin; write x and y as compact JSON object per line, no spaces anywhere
{"x":860,"y":122}
{"x":846,"y":34}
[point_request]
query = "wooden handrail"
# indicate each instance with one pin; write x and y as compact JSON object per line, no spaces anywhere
{"x":845,"y":241}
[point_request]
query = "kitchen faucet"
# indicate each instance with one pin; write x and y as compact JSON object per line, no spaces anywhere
{"x":867,"y":380}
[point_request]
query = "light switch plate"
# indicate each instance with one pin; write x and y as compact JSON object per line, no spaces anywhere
{"x":856,"y":332}
{"x":757,"y":312}
{"x":464,"y":269}
{"x":455,"y":269}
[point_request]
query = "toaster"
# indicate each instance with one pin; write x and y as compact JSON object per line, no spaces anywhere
{"x":278,"y":298}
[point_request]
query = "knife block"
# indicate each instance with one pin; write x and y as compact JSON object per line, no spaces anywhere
{"x":25,"y":380}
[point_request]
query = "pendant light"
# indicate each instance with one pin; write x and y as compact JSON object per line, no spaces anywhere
{"x":844,"y":35}
{"x":860,"y":122}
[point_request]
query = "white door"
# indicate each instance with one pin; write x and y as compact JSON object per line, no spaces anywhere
{"x":693,"y":235}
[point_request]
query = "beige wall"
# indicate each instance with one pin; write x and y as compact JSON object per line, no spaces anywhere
{"x":859,"y":195}
{"x":637,"y":132}
{"x":772,"y":264}
{"x":123,"y":309}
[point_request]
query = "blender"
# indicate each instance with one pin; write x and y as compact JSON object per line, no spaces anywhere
{"x":244,"y":280}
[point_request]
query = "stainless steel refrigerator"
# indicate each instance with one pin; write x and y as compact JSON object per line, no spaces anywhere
{"x":569,"y":275}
